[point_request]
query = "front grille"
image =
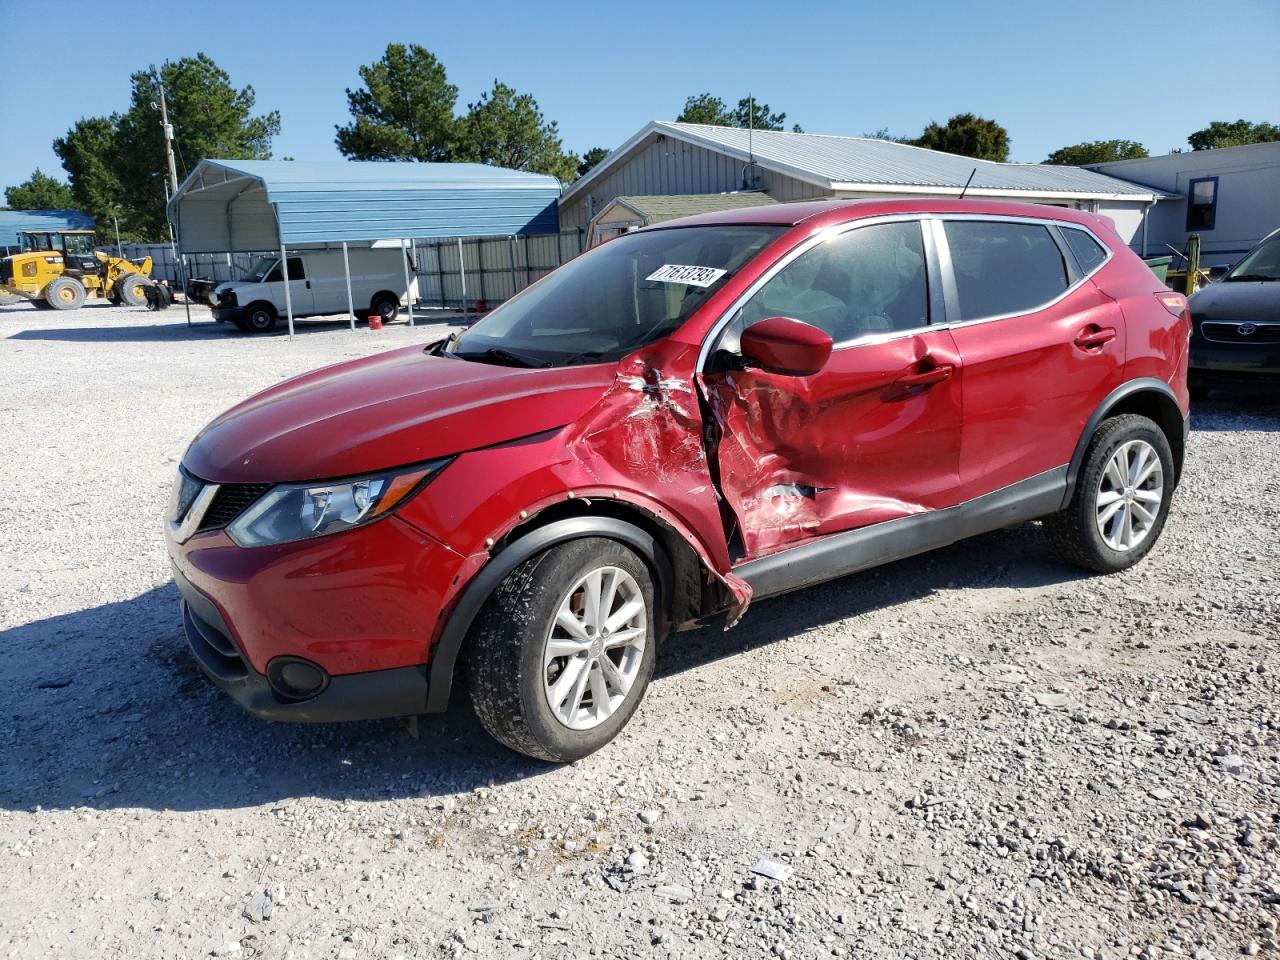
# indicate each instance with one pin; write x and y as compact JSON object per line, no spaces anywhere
{"x":1225,"y":331}
{"x":231,"y":500}
{"x":229,"y":299}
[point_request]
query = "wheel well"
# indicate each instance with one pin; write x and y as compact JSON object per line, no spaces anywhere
{"x":389,"y":294}
{"x":262,"y":303}
{"x":1161,"y":408}
{"x":690,"y":594}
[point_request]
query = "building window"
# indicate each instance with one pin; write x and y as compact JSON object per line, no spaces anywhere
{"x":1202,"y":203}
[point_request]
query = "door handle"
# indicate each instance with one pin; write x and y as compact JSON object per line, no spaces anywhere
{"x":1094,"y":336}
{"x":308,"y":284}
{"x":925,"y":378}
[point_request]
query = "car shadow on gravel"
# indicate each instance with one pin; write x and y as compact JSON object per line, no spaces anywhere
{"x":105,"y":707}
{"x":1242,"y":408}
{"x":1018,"y":557}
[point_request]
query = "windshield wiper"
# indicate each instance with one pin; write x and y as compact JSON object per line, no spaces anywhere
{"x":1252,"y":276}
{"x":502,"y":357}
{"x":587,"y":356}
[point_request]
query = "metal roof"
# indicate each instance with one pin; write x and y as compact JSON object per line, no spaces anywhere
{"x":14,"y":222}
{"x":656,"y":209}
{"x":857,"y":163}
{"x":229,"y":205}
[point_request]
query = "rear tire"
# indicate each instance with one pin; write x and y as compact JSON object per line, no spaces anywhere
{"x":260,"y":318}
{"x":1121,"y":498}
{"x":541,"y":640}
{"x":131,"y":290}
{"x":64,"y":293}
{"x":386,"y":306}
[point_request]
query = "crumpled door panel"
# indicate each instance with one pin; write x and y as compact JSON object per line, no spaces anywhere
{"x":800,"y":457}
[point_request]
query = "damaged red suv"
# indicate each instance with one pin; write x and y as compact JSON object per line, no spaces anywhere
{"x":692,"y":415}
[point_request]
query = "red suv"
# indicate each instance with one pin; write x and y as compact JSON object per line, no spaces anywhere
{"x":720,"y":408}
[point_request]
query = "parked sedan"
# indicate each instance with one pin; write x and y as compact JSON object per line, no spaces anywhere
{"x":688,"y":417}
{"x":1235,"y":337}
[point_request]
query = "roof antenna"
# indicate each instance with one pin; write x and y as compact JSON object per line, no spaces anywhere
{"x":965,"y":189}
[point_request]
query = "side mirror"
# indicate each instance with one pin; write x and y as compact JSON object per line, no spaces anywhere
{"x":783,"y":345}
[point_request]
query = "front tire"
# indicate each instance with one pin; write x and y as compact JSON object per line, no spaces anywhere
{"x":1121,"y":499}
{"x":131,"y":290}
{"x":564,"y":650}
{"x":260,"y":318}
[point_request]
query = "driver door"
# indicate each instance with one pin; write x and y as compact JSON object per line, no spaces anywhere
{"x":875,"y":434}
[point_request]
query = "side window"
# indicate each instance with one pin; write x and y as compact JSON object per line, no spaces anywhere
{"x":295,"y":269}
{"x":1003,"y":268}
{"x":1202,"y":203}
{"x":866,"y":281}
{"x":1089,"y":254}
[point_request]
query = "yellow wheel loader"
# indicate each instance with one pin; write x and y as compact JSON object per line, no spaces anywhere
{"x":58,"y":270}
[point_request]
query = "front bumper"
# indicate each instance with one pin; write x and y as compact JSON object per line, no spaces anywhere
{"x":361,"y":606}
{"x":377,"y":694}
{"x":1216,"y":362}
{"x":228,"y":314}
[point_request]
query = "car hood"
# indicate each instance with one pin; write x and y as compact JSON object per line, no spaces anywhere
{"x":388,"y":410}
{"x":1237,"y":300}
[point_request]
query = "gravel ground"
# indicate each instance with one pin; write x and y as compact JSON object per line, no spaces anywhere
{"x":978,"y":752}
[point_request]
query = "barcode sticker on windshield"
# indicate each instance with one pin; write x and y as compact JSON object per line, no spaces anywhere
{"x":693,"y":276}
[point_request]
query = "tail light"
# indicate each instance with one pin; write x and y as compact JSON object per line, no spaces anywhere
{"x":1175,"y":303}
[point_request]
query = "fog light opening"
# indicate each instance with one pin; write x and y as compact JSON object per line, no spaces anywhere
{"x":294,"y":679}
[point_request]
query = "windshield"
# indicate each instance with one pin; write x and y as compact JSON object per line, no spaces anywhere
{"x":601,"y":306}
{"x":261,"y":268}
{"x":1262,"y":263}
{"x":78,"y":243}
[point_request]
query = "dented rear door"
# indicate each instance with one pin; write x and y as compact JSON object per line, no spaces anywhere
{"x":873,"y":436}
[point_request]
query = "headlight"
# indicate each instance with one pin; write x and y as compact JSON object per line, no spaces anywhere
{"x":301,"y":511}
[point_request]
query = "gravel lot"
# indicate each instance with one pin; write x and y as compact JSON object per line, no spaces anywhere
{"x":978,"y":752}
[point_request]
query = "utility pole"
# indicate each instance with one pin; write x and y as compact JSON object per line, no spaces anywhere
{"x":171,"y":191}
{"x":168,"y":133}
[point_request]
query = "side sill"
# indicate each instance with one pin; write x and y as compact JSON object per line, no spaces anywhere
{"x":840,"y":554}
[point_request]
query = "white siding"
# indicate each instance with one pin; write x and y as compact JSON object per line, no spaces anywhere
{"x":1248,"y":197}
{"x":671,"y":166}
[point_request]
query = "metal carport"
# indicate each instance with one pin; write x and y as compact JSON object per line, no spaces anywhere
{"x":235,"y":206}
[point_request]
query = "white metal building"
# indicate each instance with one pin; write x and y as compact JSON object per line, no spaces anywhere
{"x":1229,"y":196}
{"x":685,"y":158}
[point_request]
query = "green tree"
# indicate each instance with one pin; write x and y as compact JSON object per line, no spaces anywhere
{"x":968,"y":136}
{"x":1097,"y":151}
{"x":884,"y":134}
{"x":40,"y":192}
{"x":117,"y":163}
{"x":706,"y":109}
{"x":505,"y":128}
{"x":709,"y":109}
{"x":753,"y":110}
{"x":88,"y":153}
{"x":404,"y":111}
{"x":591,"y":158}
{"x":1223,"y":133}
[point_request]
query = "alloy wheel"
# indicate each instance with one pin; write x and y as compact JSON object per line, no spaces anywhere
{"x":594,"y":648}
{"x":1130,"y":494}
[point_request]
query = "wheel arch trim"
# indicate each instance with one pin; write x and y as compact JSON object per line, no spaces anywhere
{"x":1131,"y":388}
{"x":453,"y":636}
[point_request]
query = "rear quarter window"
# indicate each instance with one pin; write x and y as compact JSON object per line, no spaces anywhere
{"x":1003,"y":268}
{"x":1088,"y":252}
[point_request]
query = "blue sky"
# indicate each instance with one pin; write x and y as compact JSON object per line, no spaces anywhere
{"x":1053,"y":73}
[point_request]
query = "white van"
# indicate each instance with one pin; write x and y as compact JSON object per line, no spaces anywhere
{"x":317,"y":286}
